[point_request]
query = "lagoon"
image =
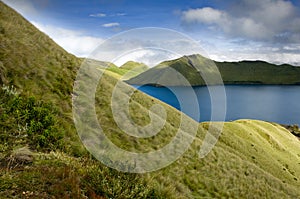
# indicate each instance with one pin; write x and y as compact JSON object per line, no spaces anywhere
{"x":273,"y":103}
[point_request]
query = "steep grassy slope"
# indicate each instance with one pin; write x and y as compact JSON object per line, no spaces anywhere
{"x":253,"y":159}
{"x":195,"y":67}
{"x":36,"y":65}
{"x":27,"y":55}
{"x":41,"y":155}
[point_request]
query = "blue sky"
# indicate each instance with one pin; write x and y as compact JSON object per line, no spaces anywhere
{"x":227,"y":30}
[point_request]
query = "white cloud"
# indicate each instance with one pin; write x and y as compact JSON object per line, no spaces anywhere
{"x":295,"y":47}
{"x":276,"y":58}
{"x":98,"y":15}
{"x":256,"y":19}
{"x":147,"y":45}
{"x":24,"y":7}
{"x":74,"y":42}
{"x":204,"y":15}
{"x":105,"y":15}
{"x":251,"y":51}
{"x":109,"y":25}
{"x":150,"y":57}
{"x":120,"y":14}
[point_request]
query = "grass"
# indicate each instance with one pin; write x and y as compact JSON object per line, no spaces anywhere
{"x":129,"y":70}
{"x":252,"y":159}
{"x":33,"y":163}
{"x":24,"y":120}
{"x":38,"y":67}
{"x":60,"y":176}
{"x":37,"y":75}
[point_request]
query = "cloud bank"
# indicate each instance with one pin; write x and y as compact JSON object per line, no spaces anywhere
{"x":110,"y":25}
{"x":267,"y":20}
{"x":98,"y":15}
{"x":72,"y":41}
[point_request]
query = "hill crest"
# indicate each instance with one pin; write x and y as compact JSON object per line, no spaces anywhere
{"x":196,"y":68}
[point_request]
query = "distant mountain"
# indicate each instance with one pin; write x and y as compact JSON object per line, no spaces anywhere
{"x":131,"y":65}
{"x":199,"y":70}
{"x":258,"y":72}
{"x":129,"y":69}
{"x":98,"y":64}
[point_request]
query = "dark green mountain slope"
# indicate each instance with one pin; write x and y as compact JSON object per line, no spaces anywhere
{"x":258,"y":72}
{"x":195,"y":67}
{"x":163,"y":73}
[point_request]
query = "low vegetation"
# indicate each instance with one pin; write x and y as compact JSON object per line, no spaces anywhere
{"x":252,"y":159}
{"x":32,"y":162}
{"x":24,"y":120}
{"x":294,"y":129}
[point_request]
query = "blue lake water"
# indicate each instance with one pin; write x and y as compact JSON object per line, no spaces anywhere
{"x":280,"y":104}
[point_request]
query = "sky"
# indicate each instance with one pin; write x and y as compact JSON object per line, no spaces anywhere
{"x":231,"y":30}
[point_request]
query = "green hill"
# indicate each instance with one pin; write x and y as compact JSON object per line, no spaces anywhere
{"x":252,"y":158}
{"x":258,"y":72}
{"x":128,"y":70}
{"x":132,"y":69}
{"x":42,"y":157}
{"x":195,"y":67}
{"x":131,"y":65}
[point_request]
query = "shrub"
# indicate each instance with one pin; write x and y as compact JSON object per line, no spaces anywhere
{"x":26,"y":120}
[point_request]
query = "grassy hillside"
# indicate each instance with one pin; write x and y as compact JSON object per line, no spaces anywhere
{"x":131,"y":65}
{"x":163,"y":73}
{"x":258,"y":72}
{"x":253,"y":159}
{"x":129,"y":69}
{"x":195,"y":67}
{"x":37,"y":66}
{"x":42,"y":157}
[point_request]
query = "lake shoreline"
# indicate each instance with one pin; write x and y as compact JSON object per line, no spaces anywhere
{"x":273,"y":103}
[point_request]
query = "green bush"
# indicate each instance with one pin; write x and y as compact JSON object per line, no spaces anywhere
{"x":28,"y":120}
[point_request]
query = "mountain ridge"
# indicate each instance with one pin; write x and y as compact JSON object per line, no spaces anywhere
{"x":241,"y":72}
{"x":132,"y":64}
